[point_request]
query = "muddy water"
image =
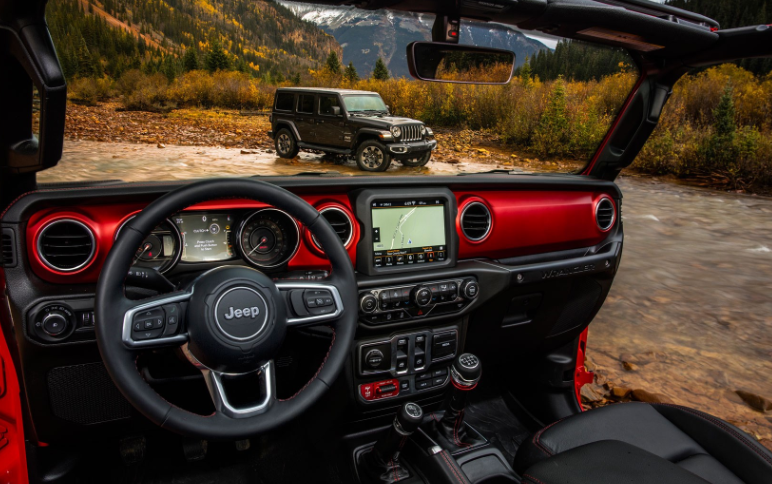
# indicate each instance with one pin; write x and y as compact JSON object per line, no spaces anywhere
{"x":691,"y":307}
{"x":92,"y":161}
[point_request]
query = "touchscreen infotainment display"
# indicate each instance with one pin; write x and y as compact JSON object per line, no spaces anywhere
{"x":206,"y":236}
{"x":408,"y":232}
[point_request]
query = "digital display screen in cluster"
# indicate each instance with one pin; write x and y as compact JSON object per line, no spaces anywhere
{"x":206,"y":236}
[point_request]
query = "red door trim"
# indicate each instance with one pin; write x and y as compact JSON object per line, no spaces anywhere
{"x":13,"y":456}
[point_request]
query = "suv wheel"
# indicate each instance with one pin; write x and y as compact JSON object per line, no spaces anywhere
{"x":373,"y":156}
{"x":420,"y":161}
{"x":286,"y":146}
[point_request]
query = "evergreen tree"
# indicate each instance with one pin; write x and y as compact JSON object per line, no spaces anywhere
{"x":526,"y":74}
{"x":85,"y":65}
{"x":380,"y":72}
{"x":333,"y":63}
{"x":350,"y":73}
{"x":295,"y":78}
{"x":552,"y":132}
{"x":217,"y":59}
{"x":724,"y":115}
{"x":190,"y":60}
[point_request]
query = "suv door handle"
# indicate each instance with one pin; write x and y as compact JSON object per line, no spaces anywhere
{"x":320,"y":121}
{"x":299,"y":119}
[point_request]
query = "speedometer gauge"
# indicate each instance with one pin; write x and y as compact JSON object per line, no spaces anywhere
{"x":269,"y":238}
{"x":160,"y":250}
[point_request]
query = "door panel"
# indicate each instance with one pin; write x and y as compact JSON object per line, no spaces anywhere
{"x":329,"y":127}
{"x":304,"y":119}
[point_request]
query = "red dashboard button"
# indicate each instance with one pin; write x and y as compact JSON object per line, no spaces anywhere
{"x":366,"y":391}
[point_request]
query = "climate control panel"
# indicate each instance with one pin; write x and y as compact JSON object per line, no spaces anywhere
{"x":416,"y":301}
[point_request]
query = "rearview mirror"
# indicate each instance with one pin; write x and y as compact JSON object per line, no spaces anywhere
{"x":461,"y":64}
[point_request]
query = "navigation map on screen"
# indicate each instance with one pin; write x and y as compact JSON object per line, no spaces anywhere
{"x":408,"y":232}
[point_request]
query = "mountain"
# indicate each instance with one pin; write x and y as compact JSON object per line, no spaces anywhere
{"x":258,"y":35}
{"x":365,"y":35}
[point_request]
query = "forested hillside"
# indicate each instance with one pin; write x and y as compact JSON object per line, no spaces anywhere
{"x":108,"y":37}
{"x":579,"y":61}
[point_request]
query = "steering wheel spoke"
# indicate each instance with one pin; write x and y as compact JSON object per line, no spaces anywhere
{"x":311,"y":303}
{"x":217,"y":391}
{"x":155,"y":322}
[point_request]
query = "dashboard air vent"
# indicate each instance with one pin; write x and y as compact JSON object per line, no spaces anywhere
{"x":66,"y":245}
{"x":340,"y":222}
{"x":605,"y":215}
{"x":7,"y":252}
{"x":476,"y":221}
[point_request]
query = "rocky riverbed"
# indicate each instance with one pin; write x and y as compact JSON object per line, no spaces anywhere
{"x":689,"y":317}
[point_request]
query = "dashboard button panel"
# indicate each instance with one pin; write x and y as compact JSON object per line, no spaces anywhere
{"x":415,"y":301}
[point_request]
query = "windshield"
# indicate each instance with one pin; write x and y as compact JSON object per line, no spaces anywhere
{"x":204,"y":92}
{"x":359,"y":103}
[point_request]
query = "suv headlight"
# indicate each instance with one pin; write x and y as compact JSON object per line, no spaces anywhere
{"x":396,"y":131}
{"x":423,"y":130}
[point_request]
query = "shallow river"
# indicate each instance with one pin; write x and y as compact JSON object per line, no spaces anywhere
{"x":691,"y":307}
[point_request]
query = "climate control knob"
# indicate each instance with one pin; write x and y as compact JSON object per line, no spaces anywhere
{"x":55,"y":323}
{"x":422,"y":296}
{"x":470,"y":289}
{"x":368,"y":303}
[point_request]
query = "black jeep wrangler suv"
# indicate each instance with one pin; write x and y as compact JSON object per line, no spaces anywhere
{"x":347,"y":122}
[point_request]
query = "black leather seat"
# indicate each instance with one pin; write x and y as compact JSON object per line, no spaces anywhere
{"x":706,"y":446}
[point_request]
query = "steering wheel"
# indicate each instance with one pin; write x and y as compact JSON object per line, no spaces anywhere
{"x":230,"y":322}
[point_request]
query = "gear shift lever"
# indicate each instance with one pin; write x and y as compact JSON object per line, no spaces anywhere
{"x":381,"y":464}
{"x":465,"y":373}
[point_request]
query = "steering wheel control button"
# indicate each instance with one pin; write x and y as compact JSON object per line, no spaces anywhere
{"x":241,"y":313}
{"x":151,"y":334}
{"x":319,"y":302}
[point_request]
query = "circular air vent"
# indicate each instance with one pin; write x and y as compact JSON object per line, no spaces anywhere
{"x":66,"y":245}
{"x":340,"y":222}
{"x":605,"y":214}
{"x":476,"y":221}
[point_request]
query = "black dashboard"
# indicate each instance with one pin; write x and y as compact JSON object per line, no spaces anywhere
{"x":506,"y":266}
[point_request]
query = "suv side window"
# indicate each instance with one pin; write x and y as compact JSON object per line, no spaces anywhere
{"x":326,"y":103}
{"x":284,"y":101}
{"x":306,"y":103}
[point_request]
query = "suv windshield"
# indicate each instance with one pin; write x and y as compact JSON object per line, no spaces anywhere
{"x":361,"y":103}
{"x":208,"y":97}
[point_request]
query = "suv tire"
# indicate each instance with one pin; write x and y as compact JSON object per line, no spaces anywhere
{"x":373,"y":156}
{"x":286,"y":146}
{"x":420,"y":161}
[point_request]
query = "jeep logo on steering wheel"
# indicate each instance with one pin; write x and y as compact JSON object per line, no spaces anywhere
{"x":242,"y":313}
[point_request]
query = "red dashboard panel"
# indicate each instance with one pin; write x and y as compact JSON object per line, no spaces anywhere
{"x":104,"y":221}
{"x":523,"y":223}
{"x":532,"y":222}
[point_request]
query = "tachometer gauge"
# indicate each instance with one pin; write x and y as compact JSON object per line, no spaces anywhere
{"x":160,"y":250}
{"x":269,"y":238}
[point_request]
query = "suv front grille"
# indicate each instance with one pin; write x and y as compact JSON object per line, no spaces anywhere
{"x":411,"y":132}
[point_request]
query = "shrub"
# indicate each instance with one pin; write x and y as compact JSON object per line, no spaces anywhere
{"x":89,"y":91}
